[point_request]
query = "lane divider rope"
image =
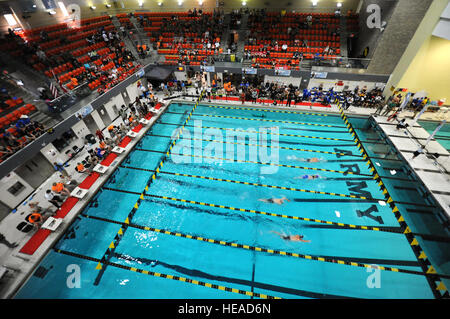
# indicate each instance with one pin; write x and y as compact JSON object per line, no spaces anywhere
{"x":264,"y":250}
{"x":307,"y":219}
{"x":281,"y":134}
{"x":259,"y":145}
{"x":261,"y":163}
{"x":168,"y":276}
{"x":117,"y":238}
{"x":437,"y":285}
{"x":264,"y":110}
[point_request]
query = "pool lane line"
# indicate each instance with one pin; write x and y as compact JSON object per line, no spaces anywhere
{"x":258,"y":212}
{"x":266,"y":185}
{"x":326,"y":259}
{"x":280,"y":147}
{"x":278,"y":134}
{"x":208,"y":276}
{"x":285,"y":142}
{"x":255,"y":162}
{"x":286,"y":128}
{"x":285,"y":134}
{"x":167,"y":276}
{"x":428,"y":237}
{"x":118,"y":237}
{"x":323,"y":223}
{"x":281,"y":142}
{"x":437,"y":286}
{"x":258,"y":145}
{"x":266,"y":110}
{"x":264,"y":120}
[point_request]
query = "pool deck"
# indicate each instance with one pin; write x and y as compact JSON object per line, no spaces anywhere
{"x":21,"y":266}
{"x":434,"y":173}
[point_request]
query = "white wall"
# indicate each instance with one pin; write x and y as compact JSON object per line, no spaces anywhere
{"x":52,"y":154}
{"x":118,"y":101}
{"x":180,"y":76}
{"x":98,"y":120}
{"x":9,"y":199}
{"x":80,"y":129}
{"x":133,"y":91}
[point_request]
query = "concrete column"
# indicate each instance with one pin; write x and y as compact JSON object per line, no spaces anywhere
{"x":403,"y":25}
{"x":423,"y":32}
{"x":98,"y":120}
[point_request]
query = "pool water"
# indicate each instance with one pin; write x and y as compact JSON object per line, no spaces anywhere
{"x":206,"y":205}
{"x":443,"y":136}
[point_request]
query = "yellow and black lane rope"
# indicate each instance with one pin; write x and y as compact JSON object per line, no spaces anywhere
{"x":168,"y":276}
{"x":270,"y":164}
{"x":253,"y":211}
{"x":333,"y":260}
{"x":272,"y":186}
{"x":266,"y":120}
{"x":437,"y":285}
{"x":271,"y":133}
{"x":117,"y":238}
{"x":264,"y":110}
{"x":258,"y":212}
{"x":260,"y":145}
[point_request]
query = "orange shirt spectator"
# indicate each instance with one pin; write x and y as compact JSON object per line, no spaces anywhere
{"x":74,"y":81}
{"x":57,"y":187}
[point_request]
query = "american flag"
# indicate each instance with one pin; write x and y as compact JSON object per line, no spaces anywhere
{"x":53,"y":90}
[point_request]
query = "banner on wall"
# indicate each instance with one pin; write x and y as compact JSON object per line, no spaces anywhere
{"x":49,"y":4}
{"x":249,"y":71}
{"x":205,"y":68}
{"x":282,"y":72}
{"x":140,"y":73}
{"x":319,"y":75}
{"x":405,"y":100}
{"x":84,"y":111}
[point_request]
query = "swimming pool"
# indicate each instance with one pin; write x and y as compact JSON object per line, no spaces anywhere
{"x":443,"y":136}
{"x":200,"y":228}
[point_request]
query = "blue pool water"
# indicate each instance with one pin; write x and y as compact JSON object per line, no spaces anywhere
{"x":323,"y":136}
{"x":443,"y":136}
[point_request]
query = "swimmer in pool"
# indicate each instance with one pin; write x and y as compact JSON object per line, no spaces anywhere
{"x":278,"y":201}
{"x":309,"y":177}
{"x":309,"y":160}
{"x":292,"y":237}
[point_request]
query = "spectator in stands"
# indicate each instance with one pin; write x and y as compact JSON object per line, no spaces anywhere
{"x":100,"y":135}
{"x":59,"y":167}
{"x":99,"y":152}
{"x":53,"y":198}
{"x":390,"y":106}
{"x":59,"y":188}
{"x":35,"y":208}
{"x":105,"y":38}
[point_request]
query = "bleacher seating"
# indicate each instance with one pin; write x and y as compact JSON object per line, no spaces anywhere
{"x":267,"y":37}
{"x":169,"y":47}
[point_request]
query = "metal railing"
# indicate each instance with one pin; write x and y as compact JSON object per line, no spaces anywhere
{"x":339,"y":62}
